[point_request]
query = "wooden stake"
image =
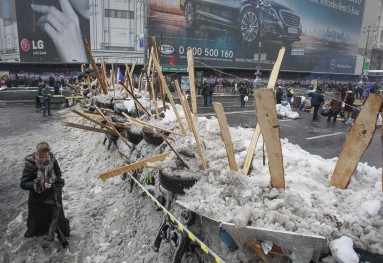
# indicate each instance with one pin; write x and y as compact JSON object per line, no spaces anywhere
{"x":192,"y":83}
{"x":136,"y":101}
{"x":253,"y":145}
{"x":154,"y":95}
{"x":133,"y":166}
{"x":83,"y":127}
{"x":94,"y":66}
{"x":257,"y":132}
{"x":259,"y":251}
{"x":180,"y":95}
{"x":123,"y":138}
{"x":92,"y":120}
{"x":155,"y":50}
{"x":225,"y":135}
{"x":357,"y":141}
{"x":268,"y":121}
{"x":142,"y":124}
{"x":157,"y":66}
{"x":195,"y":133}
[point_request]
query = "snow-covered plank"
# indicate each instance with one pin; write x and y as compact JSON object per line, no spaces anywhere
{"x":182,"y":104}
{"x":268,"y":121}
{"x":225,"y":135}
{"x":133,"y":166}
{"x":357,"y":141}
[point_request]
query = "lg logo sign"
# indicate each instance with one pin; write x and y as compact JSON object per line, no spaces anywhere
{"x":26,"y":44}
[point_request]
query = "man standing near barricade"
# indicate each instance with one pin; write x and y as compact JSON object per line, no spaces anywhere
{"x":205,"y":92}
{"x":46,"y":93}
{"x":243,"y":93}
{"x":349,"y":103}
{"x":335,"y":106}
{"x":316,"y":100}
{"x":210,"y":95}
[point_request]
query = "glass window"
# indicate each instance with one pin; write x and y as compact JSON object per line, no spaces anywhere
{"x":119,"y":14}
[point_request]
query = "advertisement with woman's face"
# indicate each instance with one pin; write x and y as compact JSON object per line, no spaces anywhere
{"x":52,"y":30}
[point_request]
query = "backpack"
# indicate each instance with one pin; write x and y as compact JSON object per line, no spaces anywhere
{"x":291,"y":91}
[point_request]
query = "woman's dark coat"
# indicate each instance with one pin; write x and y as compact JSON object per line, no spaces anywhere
{"x":42,"y":205}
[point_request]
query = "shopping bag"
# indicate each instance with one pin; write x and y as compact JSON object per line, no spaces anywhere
{"x":246,"y":98}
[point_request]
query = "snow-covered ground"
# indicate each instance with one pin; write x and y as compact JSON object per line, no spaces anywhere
{"x":110,"y":224}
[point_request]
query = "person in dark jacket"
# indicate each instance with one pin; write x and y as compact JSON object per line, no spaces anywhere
{"x":47,"y":94}
{"x":243,"y":92}
{"x":349,"y":103}
{"x":210,"y":95}
{"x":335,"y":107}
{"x":205,"y":92}
{"x":316,"y":101}
{"x":43,"y":179}
{"x":279,"y":95}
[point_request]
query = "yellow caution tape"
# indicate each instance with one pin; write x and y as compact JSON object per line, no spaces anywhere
{"x":181,"y":227}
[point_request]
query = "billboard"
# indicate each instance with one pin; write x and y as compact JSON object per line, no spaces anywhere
{"x":319,"y":35}
{"x":52,"y":30}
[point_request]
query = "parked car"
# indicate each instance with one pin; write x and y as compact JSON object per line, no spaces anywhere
{"x":246,"y":16}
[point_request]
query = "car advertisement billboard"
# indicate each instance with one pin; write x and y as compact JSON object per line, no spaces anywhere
{"x":52,"y":30}
{"x":319,"y":35}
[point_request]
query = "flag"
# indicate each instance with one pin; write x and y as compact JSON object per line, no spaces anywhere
{"x":120,"y":77}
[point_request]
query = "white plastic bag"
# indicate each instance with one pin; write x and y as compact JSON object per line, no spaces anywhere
{"x":246,"y":98}
{"x":379,"y":120}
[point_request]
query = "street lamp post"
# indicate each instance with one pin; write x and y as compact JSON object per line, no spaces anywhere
{"x":260,"y":6}
{"x":366,"y":29}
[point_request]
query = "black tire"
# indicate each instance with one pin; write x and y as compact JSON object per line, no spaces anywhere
{"x":190,"y":15}
{"x":134,"y":137}
{"x":175,"y":184}
{"x":151,"y":138}
{"x":249,"y":25}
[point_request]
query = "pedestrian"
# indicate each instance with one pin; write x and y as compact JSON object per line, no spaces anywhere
{"x":316,"y":101}
{"x":349,"y":103}
{"x":210,"y":95}
{"x":42,"y":177}
{"x":335,"y":107}
{"x":46,"y":93}
{"x":279,"y":95}
{"x":37,"y":99}
{"x":205,"y":92}
{"x":290,"y":94}
{"x":243,"y":93}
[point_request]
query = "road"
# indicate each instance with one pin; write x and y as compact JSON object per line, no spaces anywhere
{"x":317,"y":137}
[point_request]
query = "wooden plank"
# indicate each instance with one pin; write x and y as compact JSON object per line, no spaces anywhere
{"x":382,"y":152}
{"x":74,"y":97}
{"x":123,"y":138}
{"x":276,"y":68}
{"x":357,"y":141}
{"x":225,"y":135}
{"x":257,"y":131}
{"x":170,"y":97}
{"x":257,"y":247}
{"x":180,"y":95}
{"x":143,"y":123}
{"x":252,"y":146}
{"x":132,"y":70}
{"x":153,"y":92}
{"x":88,"y":128}
{"x":195,"y":133}
{"x":155,"y":50}
{"x":92,"y":120}
{"x":268,"y":121}
{"x":192,"y":83}
{"x":133,"y":166}
{"x":101,"y":81}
